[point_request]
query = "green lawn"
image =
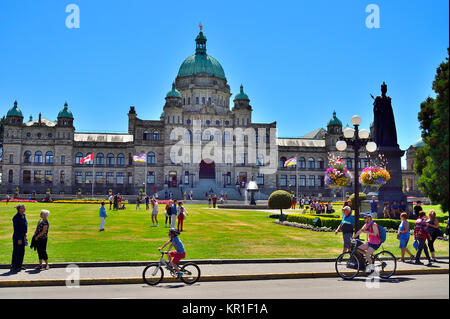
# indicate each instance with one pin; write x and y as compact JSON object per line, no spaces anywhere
{"x":209,"y":234}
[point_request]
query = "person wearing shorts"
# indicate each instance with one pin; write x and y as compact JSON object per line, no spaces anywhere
{"x":346,"y":225}
{"x":374,"y":241}
{"x":403,"y":236}
{"x":175,"y":255}
{"x":155,"y":212}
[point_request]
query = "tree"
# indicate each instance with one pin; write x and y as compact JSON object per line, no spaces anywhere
{"x":431,"y":161}
{"x":280,"y":200}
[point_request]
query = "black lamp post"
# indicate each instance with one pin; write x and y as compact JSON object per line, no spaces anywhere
{"x":356,"y":139}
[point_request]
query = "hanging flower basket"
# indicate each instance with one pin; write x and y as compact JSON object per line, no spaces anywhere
{"x":374,"y":177}
{"x":337,"y":175}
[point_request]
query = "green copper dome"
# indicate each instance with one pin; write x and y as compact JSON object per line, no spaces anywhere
{"x":174,"y":92}
{"x":65,"y":112}
{"x":15,"y":111}
{"x":241,"y":95}
{"x":419,"y":143}
{"x":334,"y":120}
{"x":200,"y":62}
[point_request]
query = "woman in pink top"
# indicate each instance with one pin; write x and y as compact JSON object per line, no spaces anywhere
{"x":374,"y":241}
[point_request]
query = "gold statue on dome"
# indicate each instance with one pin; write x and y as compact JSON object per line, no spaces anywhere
{"x":201,"y":26}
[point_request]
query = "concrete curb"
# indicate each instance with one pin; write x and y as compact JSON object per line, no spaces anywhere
{"x":209,"y":278}
{"x":197,"y":261}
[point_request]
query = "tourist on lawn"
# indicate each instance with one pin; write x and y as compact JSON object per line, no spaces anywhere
{"x":386,"y":211}
{"x":7,"y":199}
{"x":421,"y":234}
{"x":147,"y":202}
{"x":403,"y":235}
{"x":155,"y":212}
{"x":40,"y":240}
{"x":374,"y":207}
{"x":294,"y":201}
{"x":417,"y":209}
{"x":191,"y":195}
{"x":395,"y":210}
{"x":138,"y":203}
{"x":20,"y":239}
{"x":225,"y":196}
{"x":435,"y":232}
{"x":174,"y":210}
{"x":347,"y":224}
{"x":214,"y":200}
{"x":182,"y":213}
{"x":103,"y":216}
{"x":111,"y":199}
{"x":168,"y":212}
{"x":116,"y":202}
{"x":209,"y":201}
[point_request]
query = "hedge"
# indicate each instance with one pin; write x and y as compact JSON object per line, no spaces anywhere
{"x":335,"y":222}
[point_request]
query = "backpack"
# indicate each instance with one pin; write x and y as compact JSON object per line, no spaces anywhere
{"x":381,"y":233}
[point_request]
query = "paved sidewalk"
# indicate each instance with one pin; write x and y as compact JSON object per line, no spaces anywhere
{"x":209,"y":272}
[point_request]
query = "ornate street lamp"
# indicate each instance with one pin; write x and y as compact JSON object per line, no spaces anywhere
{"x":356,"y":139}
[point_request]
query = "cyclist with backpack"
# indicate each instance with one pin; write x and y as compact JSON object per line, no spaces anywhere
{"x":374,"y":241}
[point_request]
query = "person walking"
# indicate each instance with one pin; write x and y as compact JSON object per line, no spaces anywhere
{"x":174,"y":210}
{"x":39,"y":240}
{"x":181,"y":216}
{"x":294,"y":201}
{"x":214,"y":200}
{"x":209,"y":201}
{"x":116,"y":202}
{"x":191,"y":195}
{"x":346,"y":225}
{"x":403,"y":235}
{"x":225,"y":196}
{"x":374,"y":207}
{"x":155,"y":212}
{"x":435,"y":232}
{"x":168,"y":212}
{"x":421,"y":234}
{"x":110,"y":198}
{"x":103,"y":216}
{"x":7,"y":199}
{"x":138,"y":203}
{"x":147,"y":202}
{"x":20,"y":239}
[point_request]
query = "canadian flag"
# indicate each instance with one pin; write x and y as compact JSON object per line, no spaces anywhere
{"x":88,"y":158}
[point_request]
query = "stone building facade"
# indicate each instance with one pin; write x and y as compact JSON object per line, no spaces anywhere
{"x":43,"y":154}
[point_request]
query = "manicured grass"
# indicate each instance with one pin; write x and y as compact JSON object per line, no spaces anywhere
{"x":209,"y":234}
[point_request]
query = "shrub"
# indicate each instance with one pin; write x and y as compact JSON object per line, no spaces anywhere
{"x":362,"y":196}
{"x":280,"y":200}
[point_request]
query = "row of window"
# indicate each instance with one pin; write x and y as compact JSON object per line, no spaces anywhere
{"x":302,"y":181}
{"x":320,"y":163}
{"x":220,"y":100}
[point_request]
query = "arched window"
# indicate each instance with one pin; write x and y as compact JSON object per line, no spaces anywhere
{"x":78,"y":158}
{"x":302,"y":164}
{"x":203,"y":100}
{"x":49,"y":158}
{"x":121,"y":159}
{"x":320,"y":163}
{"x":226,"y":136}
{"x":197,"y":100}
{"x":100,"y":160}
{"x":151,"y":159}
{"x":38,"y":157}
{"x":156,"y":136}
{"x":311,"y":163}
{"x":209,"y":100}
{"x":27,"y":157}
{"x":207,"y":135}
{"x":110,"y":159}
{"x":198,"y":135}
{"x":217,"y":136}
{"x":282,"y":160}
{"x":260,"y":160}
{"x":10,"y":176}
{"x":187,"y":136}
{"x":172,"y":135}
{"x":146,"y":136}
{"x":189,"y":101}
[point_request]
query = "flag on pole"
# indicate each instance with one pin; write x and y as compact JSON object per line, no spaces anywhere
{"x":140,"y":158}
{"x":291,"y":162}
{"x":88,"y":158}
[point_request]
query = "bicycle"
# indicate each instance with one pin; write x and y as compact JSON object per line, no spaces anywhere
{"x":349,"y":264}
{"x":153,"y":273}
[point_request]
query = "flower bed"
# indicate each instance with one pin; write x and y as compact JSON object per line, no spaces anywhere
{"x":84,"y":201}
{"x":18,"y":200}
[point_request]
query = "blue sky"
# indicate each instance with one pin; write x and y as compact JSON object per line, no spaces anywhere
{"x":298,"y":60}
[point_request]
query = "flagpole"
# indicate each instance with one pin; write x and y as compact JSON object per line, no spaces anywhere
{"x":296,"y":176}
{"x":93,"y":175}
{"x":145,"y":178}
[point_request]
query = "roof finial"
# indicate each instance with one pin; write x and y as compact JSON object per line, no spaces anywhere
{"x":201,"y":26}
{"x":65,"y":104}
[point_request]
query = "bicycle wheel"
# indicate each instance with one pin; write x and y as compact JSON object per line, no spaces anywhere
{"x":191,"y":273}
{"x":384,"y":264}
{"x":152,"y":274}
{"x":347,"y":266}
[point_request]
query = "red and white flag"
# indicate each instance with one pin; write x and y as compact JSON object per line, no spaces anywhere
{"x":88,"y":158}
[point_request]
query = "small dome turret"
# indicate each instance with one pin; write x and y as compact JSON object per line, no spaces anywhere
{"x":15,"y":111}
{"x":65,"y":112}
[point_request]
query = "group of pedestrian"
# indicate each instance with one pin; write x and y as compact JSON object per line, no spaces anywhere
{"x":20,"y":239}
{"x":116,"y":202}
{"x":213,"y":199}
{"x":174,"y":212}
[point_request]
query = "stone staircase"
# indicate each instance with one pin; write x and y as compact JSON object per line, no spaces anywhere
{"x":209,"y":186}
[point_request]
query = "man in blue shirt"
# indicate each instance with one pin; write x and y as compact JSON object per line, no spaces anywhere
{"x":374,"y":207}
{"x":102,"y":216}
{"x":178,"y":254}
{"x":347,"y":224}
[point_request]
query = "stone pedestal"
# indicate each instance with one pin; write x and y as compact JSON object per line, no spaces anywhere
{"x":392,"y":190}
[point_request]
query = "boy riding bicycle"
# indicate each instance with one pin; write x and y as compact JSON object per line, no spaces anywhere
{"x":179,"y":252}
{"x":374,"y":241}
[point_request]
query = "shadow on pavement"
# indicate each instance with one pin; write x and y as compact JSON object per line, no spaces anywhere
{"x":390,"y":280}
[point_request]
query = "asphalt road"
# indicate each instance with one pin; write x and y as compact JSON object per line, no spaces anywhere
{"x":404,"y":287}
